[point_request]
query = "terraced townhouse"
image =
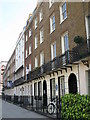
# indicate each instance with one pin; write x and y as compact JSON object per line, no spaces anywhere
{"x":2,"y":68}
{"x":54,"y":64}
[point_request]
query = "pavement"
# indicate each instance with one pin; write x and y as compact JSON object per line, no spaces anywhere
{"x":10,"y":110}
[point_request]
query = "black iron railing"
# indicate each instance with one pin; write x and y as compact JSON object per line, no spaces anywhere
{"x":19,"y":81}
{"x":79,"y":52}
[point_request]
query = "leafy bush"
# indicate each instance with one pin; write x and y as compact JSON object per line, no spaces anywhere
{"x":75,"y":107}
{"x":79,"y":40}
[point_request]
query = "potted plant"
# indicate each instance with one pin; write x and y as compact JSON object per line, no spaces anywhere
{"x":78,"y":40}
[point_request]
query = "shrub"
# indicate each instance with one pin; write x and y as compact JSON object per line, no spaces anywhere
{"x":79,"y":40}
{"x":75,"y":107}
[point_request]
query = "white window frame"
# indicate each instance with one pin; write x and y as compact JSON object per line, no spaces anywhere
{"x":30,"y":67}
{"x":52,"y":51}
{"x":36,"y":23}
{"x":40,"y":16}
{"x":63,"y":42}
{"x":30,"y":32}
{"x":36,"y":42}
{"x":52,"y":24}
{"x":62,"y":12}
{"x":41,"y":58}
{"x":64,"y":48}
{"x":30,"y":49}
{"x":36,"y":62}
{"x":41,"y":35}
{"x":51,"y":2}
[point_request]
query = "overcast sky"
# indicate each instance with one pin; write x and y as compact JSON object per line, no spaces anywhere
{"x":13,"y":17}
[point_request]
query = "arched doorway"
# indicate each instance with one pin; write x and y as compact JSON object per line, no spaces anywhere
{"x":72,"y":83}
{"x":44,"y":93}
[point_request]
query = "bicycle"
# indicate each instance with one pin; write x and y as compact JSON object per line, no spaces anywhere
{"x":53,"y":105}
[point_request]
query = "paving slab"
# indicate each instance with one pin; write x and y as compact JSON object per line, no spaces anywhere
{"x":10,"y":110}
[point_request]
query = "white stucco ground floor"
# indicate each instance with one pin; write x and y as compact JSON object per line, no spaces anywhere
{"x":74,"y":78}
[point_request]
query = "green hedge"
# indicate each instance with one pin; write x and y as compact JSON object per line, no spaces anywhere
{"x":75,"y":107}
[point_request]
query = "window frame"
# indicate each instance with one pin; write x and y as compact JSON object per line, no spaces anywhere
{"x":35,"y":89}
{"x":61,"y":13}
{"x":36,"y":22}
{"x":30,"y":67}
{"x":41,"y":37}
{"x":41,"y":58}
{"x":30,"y":32}
{"x":51,"y":2}
{"x":36,"y":42}
{"x":52,"y":23}
{"x":52,"y":88}
{"x":36,"y":62}
{"x":40,"y":15}
{"x":52,"y":50}
{"x":63,"y":42}
{"x":30,"y":49}
{"x":39,"y":88}
{"x":62,"y":81}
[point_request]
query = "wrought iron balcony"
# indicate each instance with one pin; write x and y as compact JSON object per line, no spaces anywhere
{"x":19,"y":81}
{"x":79,"y":52}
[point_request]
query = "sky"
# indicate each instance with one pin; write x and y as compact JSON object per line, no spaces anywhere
{"x":13,"y":17}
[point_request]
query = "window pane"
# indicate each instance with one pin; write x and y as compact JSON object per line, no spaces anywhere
{"x":53,"y":23}
{"x":64,"y":15}
{"x":53,"y":88}
{"x":54,"y":50}
{"x":35,"y":89}
{"x":62,"y":86}
{"x":66,"y":42}
{"x":63,"y":12}
{"x":39,"y":89}
{"x":41,"y":36}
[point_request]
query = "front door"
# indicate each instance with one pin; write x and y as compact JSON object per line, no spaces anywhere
{"x":44,"y":93}
{"x":72,"y":82}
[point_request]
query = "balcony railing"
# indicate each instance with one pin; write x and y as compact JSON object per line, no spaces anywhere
{"x":19,"y":81}
{"x":79,"y":52}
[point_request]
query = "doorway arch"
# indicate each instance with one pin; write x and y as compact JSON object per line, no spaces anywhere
{"x":72,"y":83}
{"x":44,"y":93}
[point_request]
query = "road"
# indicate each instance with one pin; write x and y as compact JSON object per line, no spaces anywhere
{"x":12,"y":111}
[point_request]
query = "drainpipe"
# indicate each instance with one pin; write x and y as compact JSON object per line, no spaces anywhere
{"x":79,"y":78}
{"x":83,"y":5}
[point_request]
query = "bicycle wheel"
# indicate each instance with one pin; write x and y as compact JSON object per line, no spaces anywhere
{"x":51,"y":108}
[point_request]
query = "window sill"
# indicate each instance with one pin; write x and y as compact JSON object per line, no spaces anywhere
{"x":30,"y":36}
{"x":50,"y":5}
{"x":52,"y":31}
{"x":41,"y":42}
{"x":35,"y":48}
{"x":40,"y":21}
{"x":30,"y":53}
{"x":63,"y":20}
{"x":35,"y":28}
